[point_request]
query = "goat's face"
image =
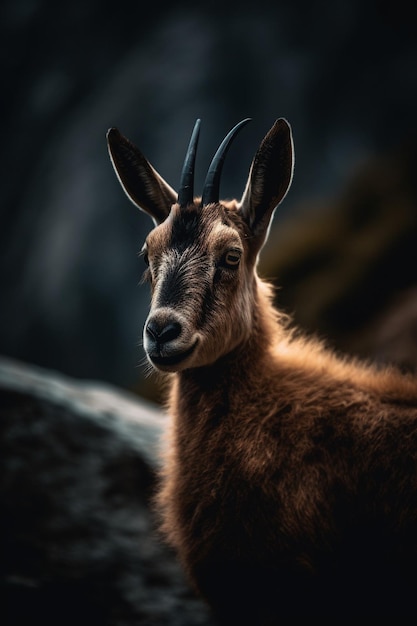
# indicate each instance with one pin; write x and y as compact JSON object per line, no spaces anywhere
{"x":202,"y":255}
{"x":201,"y":274}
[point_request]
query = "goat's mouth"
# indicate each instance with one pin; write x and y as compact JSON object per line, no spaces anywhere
{"x":169,"y":362}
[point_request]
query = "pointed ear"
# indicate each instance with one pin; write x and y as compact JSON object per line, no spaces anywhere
{"x":141,"y":183}
{"x":269,"y":179}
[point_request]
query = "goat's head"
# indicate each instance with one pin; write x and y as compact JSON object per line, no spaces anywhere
{"x":202,"y":253}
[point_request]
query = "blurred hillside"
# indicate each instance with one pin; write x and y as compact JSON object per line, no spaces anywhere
{"x":343,"y":247}
{"x":347,"y":269}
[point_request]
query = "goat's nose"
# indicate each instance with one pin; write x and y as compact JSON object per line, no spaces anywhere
{"x":162,"y":333}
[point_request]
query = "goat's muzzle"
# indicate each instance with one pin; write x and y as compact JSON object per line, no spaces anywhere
{"x":165,"y":341}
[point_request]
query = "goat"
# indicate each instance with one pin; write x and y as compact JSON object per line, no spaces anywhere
{"x":289,"y":480}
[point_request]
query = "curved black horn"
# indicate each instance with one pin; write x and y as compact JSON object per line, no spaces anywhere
{"x":211,"y":188}
{"x":186,"y":191}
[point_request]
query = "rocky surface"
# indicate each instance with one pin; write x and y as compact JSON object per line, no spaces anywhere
{"x":78,"y":542}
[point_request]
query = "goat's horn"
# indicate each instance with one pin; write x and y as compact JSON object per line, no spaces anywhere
{"x":186,"y":191}
{"x":211,"y":188}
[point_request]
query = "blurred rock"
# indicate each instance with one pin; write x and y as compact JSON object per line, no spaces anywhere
{"x":77,"y":539}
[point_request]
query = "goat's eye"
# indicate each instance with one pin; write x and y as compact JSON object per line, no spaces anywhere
{"x":232,"y":258}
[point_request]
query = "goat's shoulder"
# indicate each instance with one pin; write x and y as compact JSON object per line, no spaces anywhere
{"x":309,"y":363}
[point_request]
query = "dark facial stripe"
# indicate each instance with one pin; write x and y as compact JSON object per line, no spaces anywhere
{"x":172,"y":287}
{"x":186,"y":228}
{"x":186,"y":282}
{"x":188,"y":278}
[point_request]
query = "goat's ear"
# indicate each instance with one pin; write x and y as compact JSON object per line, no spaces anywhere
{"x":141,"y":183}
{"x":269,"y":179}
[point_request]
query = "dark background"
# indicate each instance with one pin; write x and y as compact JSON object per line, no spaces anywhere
{"x":344,"y":243}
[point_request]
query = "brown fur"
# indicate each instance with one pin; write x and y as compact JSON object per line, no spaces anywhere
{"x":289,"y":485}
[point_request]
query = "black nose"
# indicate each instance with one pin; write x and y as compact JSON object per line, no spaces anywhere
{"x":162,"y":333}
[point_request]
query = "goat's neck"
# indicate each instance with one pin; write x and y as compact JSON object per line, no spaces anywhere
{"x":216,"y":386}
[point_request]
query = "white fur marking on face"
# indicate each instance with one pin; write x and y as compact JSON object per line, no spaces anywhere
{"x":223,"y":236}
